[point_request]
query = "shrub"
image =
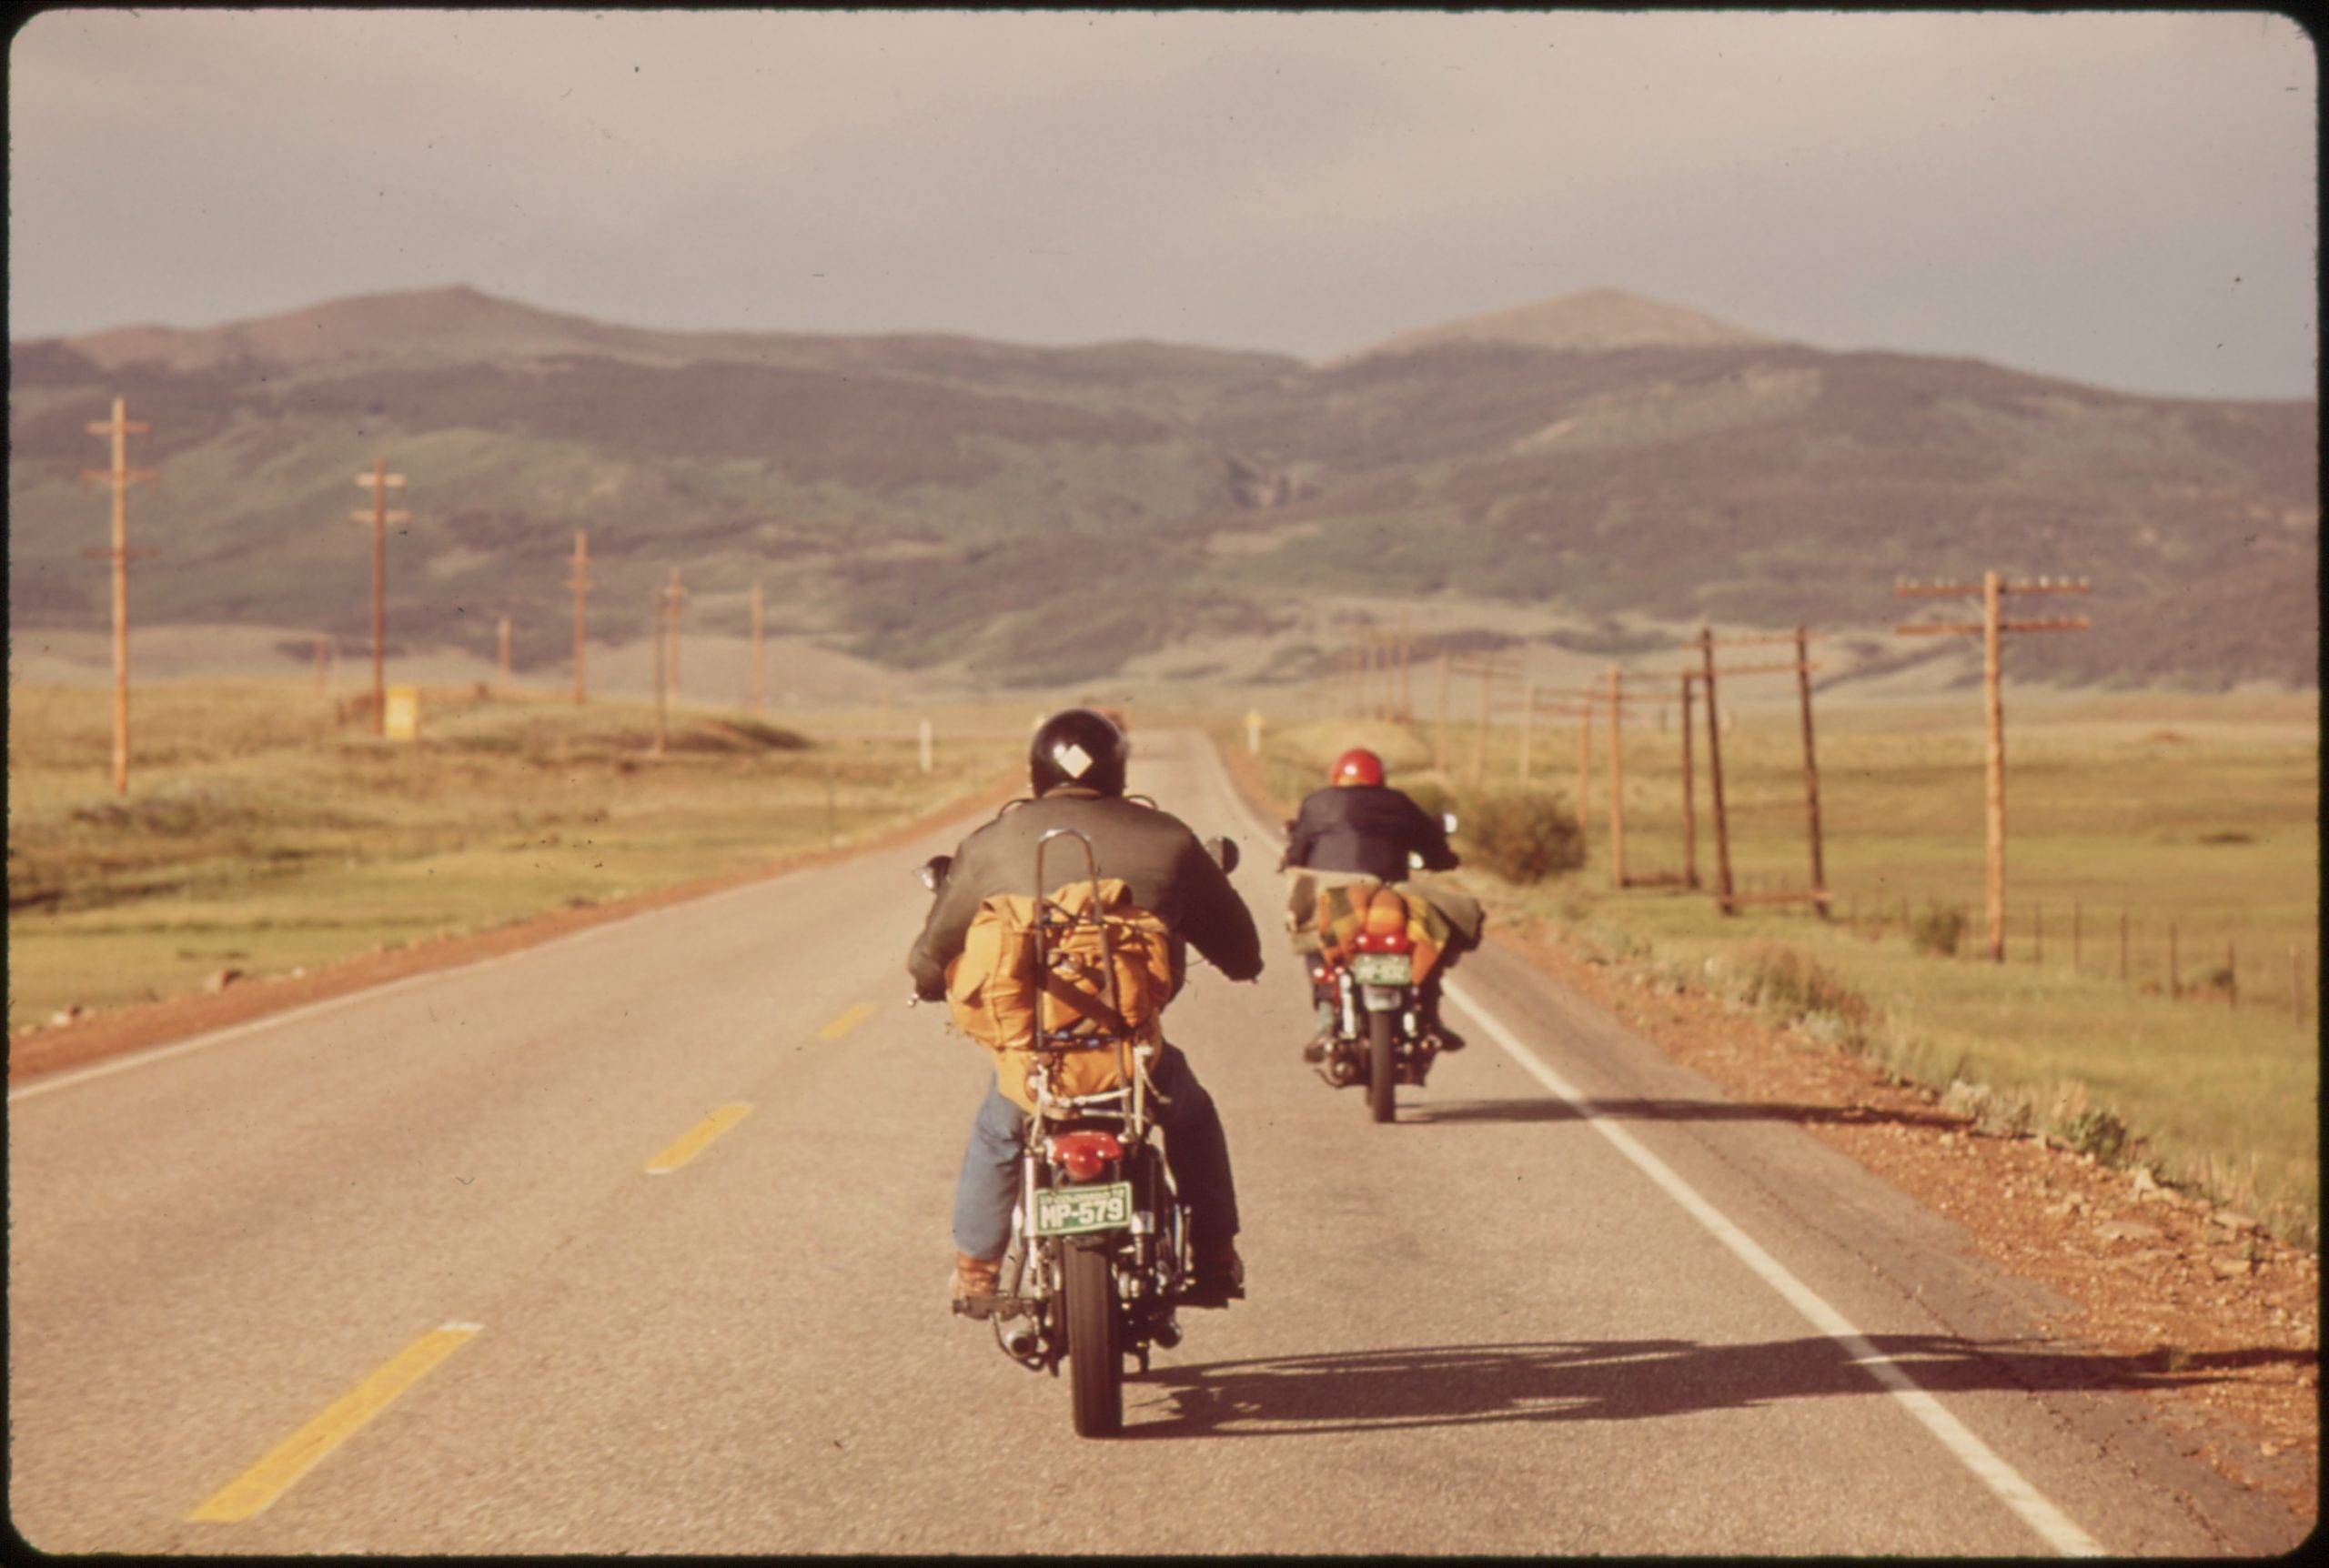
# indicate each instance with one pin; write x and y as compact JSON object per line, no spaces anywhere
{"x":1937,"y":929}
{"x":2099,"y":1133}
{"x":1790,"y":986}
{"x":1430,"y":796}
{"x":1522,"y":838}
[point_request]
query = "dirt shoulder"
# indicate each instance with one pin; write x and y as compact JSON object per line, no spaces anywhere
{"x":2162,"y":1281}
{"x":95,"y":1037}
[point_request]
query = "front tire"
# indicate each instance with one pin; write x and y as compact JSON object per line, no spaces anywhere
{"x":1382,"y":1064}
{"x":1094,"y":1362}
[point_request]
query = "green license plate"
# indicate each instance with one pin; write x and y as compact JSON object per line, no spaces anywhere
{"x":1071,"y":1210}
{"x":1381,"y":969}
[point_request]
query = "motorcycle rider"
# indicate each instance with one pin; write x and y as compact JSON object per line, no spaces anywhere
{"x":1359,"y":829}
{"x":1075,"y":766}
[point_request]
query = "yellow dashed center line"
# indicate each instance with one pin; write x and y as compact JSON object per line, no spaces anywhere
{"x":847,"y":1021}
{"x":699,"y":1138}
{"x":268,"y":1479}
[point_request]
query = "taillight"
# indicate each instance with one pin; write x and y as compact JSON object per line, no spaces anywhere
{"x":1386,"y":926}
{"x":1084,"y":1154}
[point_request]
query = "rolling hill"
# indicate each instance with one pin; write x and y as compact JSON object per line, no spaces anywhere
{"x":1594,"y":466}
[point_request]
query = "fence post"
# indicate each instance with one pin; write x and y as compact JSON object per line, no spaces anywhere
{"x":2174,"y":969}
{"x":1439,"y":739}
{"x":2231,"y":977}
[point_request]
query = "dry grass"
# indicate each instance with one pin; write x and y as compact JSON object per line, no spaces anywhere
{"x":258,"y":835}
{"x":2198,"y":811}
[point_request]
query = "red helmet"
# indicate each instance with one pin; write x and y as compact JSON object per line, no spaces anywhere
{"x":1357,"y":766}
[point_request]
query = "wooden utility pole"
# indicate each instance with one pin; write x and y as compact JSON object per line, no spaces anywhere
{"x":120,"y":427}
{"x":1991,"y":626}
{"x":759,"y":664}
{"x":676,"y":597}
{"x":1617,"y":788}
{"x":1727,"y":896}
{"x":1723,"y":888}
{"x":1440,"y":743}
{"x":1689,"y":803}
{"x":1810,"y":763}
{"x":1480,"y":738}
{"x":380,"y":482}
{"x":658,"y":614}
{"x":580,"y":583}
{"x":505,"y":653}
{"x":1406,"y":656}
{"x":1610,"y":692}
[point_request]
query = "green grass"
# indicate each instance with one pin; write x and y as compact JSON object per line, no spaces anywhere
{"x":2196,"y":812}
{"x":258,"y":835}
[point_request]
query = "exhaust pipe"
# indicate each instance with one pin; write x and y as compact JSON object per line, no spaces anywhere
{"x":1018,"y":1337}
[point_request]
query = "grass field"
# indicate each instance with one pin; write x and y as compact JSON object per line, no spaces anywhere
{"x":2192,"y":813}
{"x":261,"y":836}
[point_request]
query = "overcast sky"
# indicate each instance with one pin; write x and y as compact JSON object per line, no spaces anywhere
{"x":2127,"y":200}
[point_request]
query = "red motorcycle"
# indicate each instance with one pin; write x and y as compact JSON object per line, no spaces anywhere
{"x":1375,"y":975}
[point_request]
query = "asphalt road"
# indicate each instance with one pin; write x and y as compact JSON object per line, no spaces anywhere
{"x":637,"y":1241}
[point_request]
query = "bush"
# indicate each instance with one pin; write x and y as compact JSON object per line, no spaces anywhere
{"x":1521,"y":838}
{"x":1430,"y":796}
{"x":1937,"y":929}
{"x":2099,"y":1133}
{"x":1790,"y":986}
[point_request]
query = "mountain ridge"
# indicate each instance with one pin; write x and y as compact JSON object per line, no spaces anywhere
{"x":928,"y":501}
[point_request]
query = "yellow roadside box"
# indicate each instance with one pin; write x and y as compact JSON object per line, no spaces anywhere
{"x":402,"y":716}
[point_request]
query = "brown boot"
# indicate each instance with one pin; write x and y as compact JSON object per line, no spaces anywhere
{"x":1220,"y":1279}
{"x":974,"y":1276}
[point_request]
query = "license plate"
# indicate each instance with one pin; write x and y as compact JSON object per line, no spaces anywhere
{"x":1381,"y":969}
{"x":1069,"y":1211}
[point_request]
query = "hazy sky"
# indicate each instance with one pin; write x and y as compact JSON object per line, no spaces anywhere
{"x":2127,"y":200}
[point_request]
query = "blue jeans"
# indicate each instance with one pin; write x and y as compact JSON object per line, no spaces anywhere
{"x":1196,"y":1149}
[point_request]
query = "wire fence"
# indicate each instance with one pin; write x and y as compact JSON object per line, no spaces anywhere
{"x":2152,"y":954}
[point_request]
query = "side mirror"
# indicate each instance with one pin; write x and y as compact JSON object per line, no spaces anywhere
{"x":1448,"y":821}
{"x":1224,"y":853}
{"x":932,"y":871}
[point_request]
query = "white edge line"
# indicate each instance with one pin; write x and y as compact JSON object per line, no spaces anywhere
{"x":2053,"y":1526}
{"x":2008,"y":1485}
{"x":67,"y":1079}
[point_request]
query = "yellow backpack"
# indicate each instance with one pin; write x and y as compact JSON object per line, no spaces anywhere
{"x":993,"y":992}
{"x":1343,"y":914}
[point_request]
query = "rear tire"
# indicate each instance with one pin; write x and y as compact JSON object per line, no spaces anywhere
{"x":1383,"y":1072}
{"x":1095,"y":1362}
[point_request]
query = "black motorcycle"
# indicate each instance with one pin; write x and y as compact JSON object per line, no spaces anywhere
{"x":1099,"y":1256}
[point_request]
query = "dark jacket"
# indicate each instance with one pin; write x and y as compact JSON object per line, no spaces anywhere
{"x":1154,"y":853}
{"x":1366,"y":827}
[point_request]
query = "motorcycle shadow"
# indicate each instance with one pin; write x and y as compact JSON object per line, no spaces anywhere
{"x":1619,"y":1380}
{"x":1641,"y":1110}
